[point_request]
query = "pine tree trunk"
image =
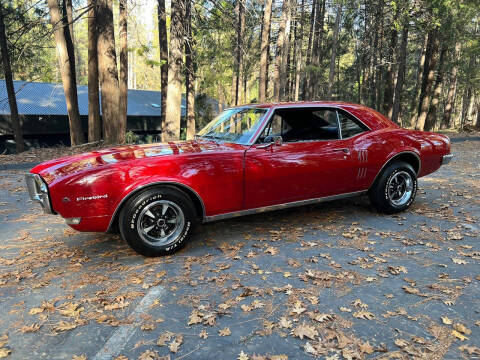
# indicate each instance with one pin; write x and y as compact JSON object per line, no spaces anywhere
{"x":465,"y":106}
{"x":374,"y":56}
{"x":189,"y":72}
{"x":262,"y":86}
{"x":163,"y":47}
{"x":331,"y":75}
{"x":316,"y":50}
{"x":68,"y":9}
{"x":12,"y":100}
{"x":123,"y":80}
{"x":388,"y":93}
{"x":94,"y":121}
{"x":299,"y":53}
{"x":431,"y":120}
{"x":171,"y":130}
{"x":418,"y":82}
{"x":306,"y":81}
{"x":238,"y":54}
{"x":477,"y":125}
{"x":283,"y":32}
{"x":66,"y":62}
{"x":426,"y":94}
{"x":447,"y":115}
{"x":240,"y":50}
{"x":107,"y":65}
{"x":402,"y":56}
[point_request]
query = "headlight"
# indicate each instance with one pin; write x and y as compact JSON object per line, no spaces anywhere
{"x":38,"y":191}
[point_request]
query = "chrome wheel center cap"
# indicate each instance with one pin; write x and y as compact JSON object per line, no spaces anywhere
{"x":161,"y":222}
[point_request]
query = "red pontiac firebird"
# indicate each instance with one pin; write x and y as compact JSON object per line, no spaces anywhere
{"x":249,"y":159}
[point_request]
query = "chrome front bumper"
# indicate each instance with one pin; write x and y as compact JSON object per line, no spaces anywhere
{"x":446,"y":159}
{"x":38,"y":191}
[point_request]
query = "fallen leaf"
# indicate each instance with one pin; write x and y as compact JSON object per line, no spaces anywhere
{"x":225,"y":332}
{"x":4,"y":352}
{"x":148,"y":355}
{"x":459,"y":335}
{"x":363,"y":314}
{"x":366,"y":348}
{"x":446,"y":320}
{"x":30,"y":328}
{"x":64,"y":326}
{"x":203,"y":334}
{"x":164,"y":338}
{"x":304,"y":330}
{"x":175,"y":344}
{"x":242,"y":356}
{"x":285,"y":323}
{"x":195,"y":317}
{"x":461,"y":328}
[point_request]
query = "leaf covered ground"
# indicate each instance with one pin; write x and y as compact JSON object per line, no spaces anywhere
{"x":334,"y":281}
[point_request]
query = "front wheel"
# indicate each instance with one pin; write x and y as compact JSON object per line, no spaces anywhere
{"x":395,"y":189}
{"x":157,"y":221}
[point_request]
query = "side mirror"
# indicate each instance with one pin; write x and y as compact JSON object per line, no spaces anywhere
{"x":271,"y":141}
{"x":277,"y":140}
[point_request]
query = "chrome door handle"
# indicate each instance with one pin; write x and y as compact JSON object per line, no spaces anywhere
{"x":344,"y":150}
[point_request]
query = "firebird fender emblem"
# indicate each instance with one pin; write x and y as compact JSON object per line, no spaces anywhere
{"x":94,"y":197}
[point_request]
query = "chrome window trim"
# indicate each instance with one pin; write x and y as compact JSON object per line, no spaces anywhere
{"x":134,"y":191}
{"x":282,"y":206}
{"x":273,"y":108}
{"x":393,"y":157}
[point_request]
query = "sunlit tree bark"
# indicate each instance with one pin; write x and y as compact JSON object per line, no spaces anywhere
{"x":163,"y":48}
{"x":107,"y":65}
{"x":123,"y":80}
{"x":426,"y":94}
{"x":280,"y":61}
{"x":402,"y":56}
{"x":262,"y":86}
{"x":171,"y":128}
{"x":189,"y":72}
{"x":331,"y":76}
{"x":66,"y":61}
{"x":94,"y":121}
{"x":447,"y":114}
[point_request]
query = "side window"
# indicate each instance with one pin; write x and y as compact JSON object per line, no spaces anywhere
{"x":350,"y":127}
{"x":276,"y":127}
{"x":325,"y":124}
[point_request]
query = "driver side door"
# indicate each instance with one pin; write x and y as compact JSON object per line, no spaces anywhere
{"x":312,"y":162}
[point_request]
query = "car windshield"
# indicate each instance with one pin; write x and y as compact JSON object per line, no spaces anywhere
{"x":234,"y":125}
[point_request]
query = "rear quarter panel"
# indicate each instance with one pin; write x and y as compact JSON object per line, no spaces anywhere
{"x":383,"y":145}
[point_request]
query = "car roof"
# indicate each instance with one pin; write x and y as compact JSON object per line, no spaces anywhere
{"x":304,"y":103}
{"x":372,"y":118}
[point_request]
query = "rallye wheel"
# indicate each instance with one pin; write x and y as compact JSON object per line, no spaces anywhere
{"x":157,"y":221}
{"x":395,"y":188}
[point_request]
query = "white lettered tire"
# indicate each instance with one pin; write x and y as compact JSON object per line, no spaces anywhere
{"x":395,"y":189}
{"x":157,"y":221}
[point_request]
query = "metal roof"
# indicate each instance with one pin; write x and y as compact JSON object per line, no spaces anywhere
{"x":38,"y":98}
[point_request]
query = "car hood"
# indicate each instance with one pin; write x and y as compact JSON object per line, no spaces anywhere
{"x":65,"y":166}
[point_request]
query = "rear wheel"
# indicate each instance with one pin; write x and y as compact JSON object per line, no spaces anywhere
{"x":395,"y":188}
{"x":157,"y":221}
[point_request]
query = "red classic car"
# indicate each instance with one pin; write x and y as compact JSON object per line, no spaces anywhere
{"x":249,"y":159}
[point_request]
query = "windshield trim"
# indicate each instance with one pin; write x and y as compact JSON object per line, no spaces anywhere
{"x":250,"y":141}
